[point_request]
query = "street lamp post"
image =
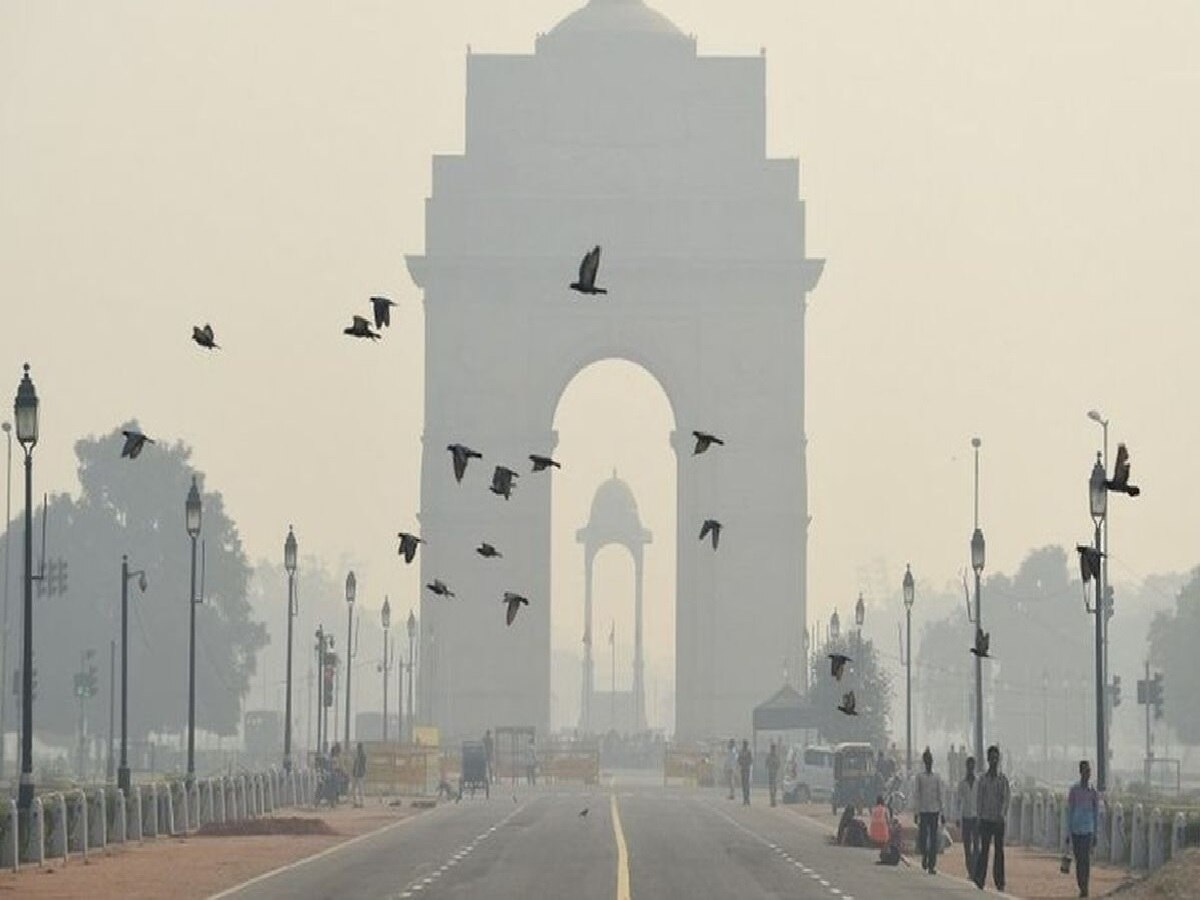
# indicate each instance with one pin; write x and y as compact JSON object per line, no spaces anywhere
{"x":1098,"y":506}
{"x":1098,"y":417}
{"x":978,"y":553}
{"x":25,"y":415}
{"x":412,"y":648}
{"x":289,"y":563}
{"x":351,"y":591}
{"x":123,"y":780}
{"x":386,"y":616}
{"x":323,"y":642}
{"x":192,"y":513}
{"x":909,"y":596}
{"x":7,"y":426}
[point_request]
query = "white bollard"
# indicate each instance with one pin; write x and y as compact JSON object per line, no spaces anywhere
{"x":77,"y":836}
{"x":1064,"y":823}
{"x":34,"y":849}
{"x":1137,"y":838}
{"x":193,"y":793}
{"x":1102,"y":834}
{"x":1026,"y":819}
{"x":150,"y":808}
{"x":1117,"y":845}
{"x":1157,"y":854}
{"x":133,"y":808}
{"x":1178,"y":833}
{"x":10,"y":852}
{"x":240,"y":789}
{"x":167,"y":824}
{"x":219,"y":801}
{"x":97,"y":819}
{"x":1050,"y":829}
{"x":120,"y":830}
{"x":1039,"y":819}
{"x":183,"y":808}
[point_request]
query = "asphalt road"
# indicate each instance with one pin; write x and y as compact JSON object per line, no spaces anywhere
{"x":669,"y":843}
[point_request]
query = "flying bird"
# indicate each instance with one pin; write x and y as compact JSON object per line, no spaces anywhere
{"x":502,"y":482}
{"x":1089,"y":562}
{"x":704,"y":440}
{"x":487,"y":551}
{"x":1120,"y":479}
{"x":587,"y":274}
{"x":713,"y":527}
{"x":848,"y":705}
{"x":361,"y":328}
{"x":514,"y":602}
{"x":583,"y":813}
{"x":462,"y":454}
{"x":134,"y":442}
{"x":439,"y":587}
{"x":382,"y":308}
{"x":408,"y":545}
{"x":983,"y":641}
{"x":838,"y":664}
{"x":541,"y":463}
{"x":204,"y":337}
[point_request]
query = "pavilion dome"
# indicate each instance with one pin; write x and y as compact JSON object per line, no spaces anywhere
{"x":615,"y":18}
{"x":614,"y":515}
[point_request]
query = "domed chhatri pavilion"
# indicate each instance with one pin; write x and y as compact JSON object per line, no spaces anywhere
{"x":614,"y":131}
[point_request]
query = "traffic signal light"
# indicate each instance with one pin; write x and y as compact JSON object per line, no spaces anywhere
{"x":1115,"y":689}
{"x":1156,"y":694}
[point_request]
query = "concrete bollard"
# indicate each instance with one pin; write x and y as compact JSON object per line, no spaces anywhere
{"x":1026,"y":819}
{"x":10,"y":847}
{"x":1155,"y":833}
{"x":1039,"y":819}
{"x":77,"y":823}
{"x":239,"y":784}
{"x":1050,"y":830}
{"x":1137,"y":838}
{"x":1178,"y":833}
{"x":150,"y":811}
{"x":33,"y":846}
{"x":133,"y":808}
{"x":167,"y":824}
{"x":1102,"y":834}
{"x":219,"y":801}
{"x":120,"y":821}
{"x":1117,"y":845}
{"x":193,"y":793}
{"x":97,"y":819}
{"x":183,"y":820}
{"x":54,"y":808}
{"x":1064,"y":824}
{"x":204,"y":806}
{"x":1012,"y":821}
{"x":260,"y":795}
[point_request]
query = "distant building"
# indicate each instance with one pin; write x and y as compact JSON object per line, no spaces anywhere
{"x":615,"y":132}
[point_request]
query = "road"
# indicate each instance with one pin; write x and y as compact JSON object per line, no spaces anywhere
{"x":638,"y":841}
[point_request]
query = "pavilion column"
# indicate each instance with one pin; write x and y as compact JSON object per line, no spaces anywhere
{"x":639,"y":660}
{"x":589,"y":666}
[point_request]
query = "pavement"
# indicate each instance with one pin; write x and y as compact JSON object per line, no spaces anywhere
{"x":637,"y":841}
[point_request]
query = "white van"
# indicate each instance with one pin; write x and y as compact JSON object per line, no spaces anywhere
{"x":808,"y":774}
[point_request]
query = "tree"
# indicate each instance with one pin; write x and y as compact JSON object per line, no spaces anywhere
{"x":135,"y":507}
{"x":872,"y":688}
{"x":1173,"y":640}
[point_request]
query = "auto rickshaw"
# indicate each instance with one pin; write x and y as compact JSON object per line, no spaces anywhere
{"x":854,"y":778}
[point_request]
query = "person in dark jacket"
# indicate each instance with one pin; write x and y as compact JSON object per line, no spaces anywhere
{"x":773,"y":770}
{"x":745,"y":761}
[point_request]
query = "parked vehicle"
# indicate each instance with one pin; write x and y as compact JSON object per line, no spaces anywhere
{"x":854,"y":777}
{"x":807,"y":774}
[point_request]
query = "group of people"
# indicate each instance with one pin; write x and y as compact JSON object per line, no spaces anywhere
{"x":337,"y":779}
{"x":739,"y":767}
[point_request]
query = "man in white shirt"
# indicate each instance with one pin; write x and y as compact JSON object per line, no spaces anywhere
{"x":927,"y":804}
{"x":968,"y":815}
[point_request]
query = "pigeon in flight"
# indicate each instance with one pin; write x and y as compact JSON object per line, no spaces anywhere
{"x":838,"y":664}
{"x":502,"y":481}
{"x":204,"y":337}
{"x":382,"y":308}
{"x":134,"y":442}
{"x":514,"y":602}
{"x":439,"y":587}
{"x":583,"y":813}
{"x":848,"y":705}
{"x":361,"y":328}
{"x":587,"y":274}
{"x":983,"y":641}
{"x":1120,"y":479}
{"x":1089,"y":562}
{"x":713,"y":527}
{"x":487,"y":551}
{"x":462,"y":454}
{"x":704,"y":440}
{"x":408,"y":545}
{"x":541,"y":463}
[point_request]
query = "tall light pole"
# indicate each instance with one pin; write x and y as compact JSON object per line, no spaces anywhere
{"x":192,"y":515}
{"x":289,"y":563}
{"x":1098,"y":506}
{"x":324,"y":644}
{"x":4,"y":623}
{"x":412,"y":647}
{"x":1098,"y":417}
{"x":351,"y":591}
{"x":386,"y":616}
{"x":25,"y":414}
{"x":978,"y":552}
{"x":909,"y":596}
{"x":124,"y":782}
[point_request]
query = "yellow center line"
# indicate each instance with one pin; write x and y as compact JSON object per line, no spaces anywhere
{"x":622,"y":853}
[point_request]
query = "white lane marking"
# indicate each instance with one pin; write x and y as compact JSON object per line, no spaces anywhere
{"x":454,"y":859}
{"x":834,"y":891}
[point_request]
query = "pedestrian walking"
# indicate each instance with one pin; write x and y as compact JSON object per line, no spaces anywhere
{"x":968,"y":815}
{"x":927,"y":804}
{"x":745,"y":762}
{"x":531,"y":763}
{"x":360,"y":774}
{"x":1083,"y":814}
{"x":991,"y":803}
{"x":489,"y":750}
{"x":773,"y":771}
{"x":731,"y":762}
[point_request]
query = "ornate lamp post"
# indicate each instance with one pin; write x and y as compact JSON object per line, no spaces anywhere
{"x":192,"y":511}
{"x":289,"y":563}
{"x":1098,"y":506}
{"x":25,"y":415}
{"x":386,"y":617}
{"x":909,"y":597}
{"x":978,"y":551}
{"x":123,"y":779}
{"x":351,"y":592}
{"x":412,"y":649}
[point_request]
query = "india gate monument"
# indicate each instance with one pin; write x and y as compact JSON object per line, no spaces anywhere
{"x":615,"y":132}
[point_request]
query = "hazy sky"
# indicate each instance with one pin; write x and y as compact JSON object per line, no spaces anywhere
{"x":1006,"y":194}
